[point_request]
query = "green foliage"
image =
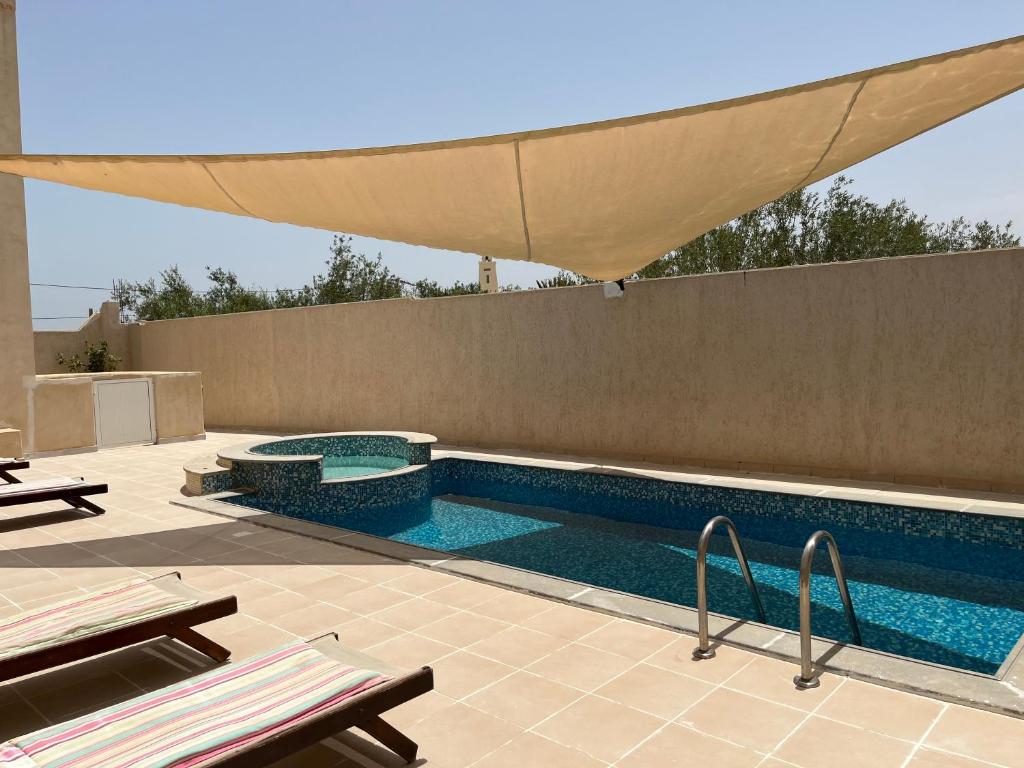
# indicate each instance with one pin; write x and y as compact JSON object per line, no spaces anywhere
{"x":805,"y":227}
{"x":350,"y":277}
{"x":563,"y":279}
{"x":97,"y":359}
{"x":431,"y":289}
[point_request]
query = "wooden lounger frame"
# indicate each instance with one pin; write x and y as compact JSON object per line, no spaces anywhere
{"x":70,"y":494}
{"x":362,"y":711}
{"x":177,"y":624}
{"x":6,"y":467}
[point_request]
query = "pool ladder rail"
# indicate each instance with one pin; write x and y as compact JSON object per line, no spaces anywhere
{"x":704,"y":649}
{"x":806,"y":678}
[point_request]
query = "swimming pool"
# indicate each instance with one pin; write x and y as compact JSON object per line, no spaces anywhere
{"x":938,"y":586}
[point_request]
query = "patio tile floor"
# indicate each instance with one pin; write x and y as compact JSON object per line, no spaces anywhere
{"x":521,"y":681}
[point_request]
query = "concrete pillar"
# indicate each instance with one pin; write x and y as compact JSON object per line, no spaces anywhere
{"x":17,"y":356}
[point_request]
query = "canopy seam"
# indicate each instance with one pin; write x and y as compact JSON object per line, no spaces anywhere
{"x":835,"y":136}
{"x":227,"y":194}
{"x":522,"y":204}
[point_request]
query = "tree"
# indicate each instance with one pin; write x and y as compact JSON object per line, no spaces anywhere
{"x":350,"y":277}
{"x":431,"y":289}
{"x":805,"y":227}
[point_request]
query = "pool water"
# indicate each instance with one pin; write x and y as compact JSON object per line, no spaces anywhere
{"x":336,"y":467}
{"x":928,"y":596}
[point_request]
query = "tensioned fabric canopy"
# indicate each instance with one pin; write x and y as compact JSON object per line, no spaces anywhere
{"x":603,"y":199}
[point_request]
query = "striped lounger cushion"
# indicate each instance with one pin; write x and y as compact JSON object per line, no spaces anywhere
{"x":86,"y":615}
{"x":200,"y":721}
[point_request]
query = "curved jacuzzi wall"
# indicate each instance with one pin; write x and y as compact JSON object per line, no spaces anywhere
{"x":291,"y":468}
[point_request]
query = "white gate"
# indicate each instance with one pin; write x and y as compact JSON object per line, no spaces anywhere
{"x":124,"y":412}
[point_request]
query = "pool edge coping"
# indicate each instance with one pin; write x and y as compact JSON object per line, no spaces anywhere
{"x":1002,"y":693}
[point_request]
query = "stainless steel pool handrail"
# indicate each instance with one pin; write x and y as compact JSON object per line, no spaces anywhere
{"x":704,"y":649}
{"x":806,"y":678}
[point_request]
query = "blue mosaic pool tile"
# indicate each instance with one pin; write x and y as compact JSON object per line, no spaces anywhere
{"x":347,"y":445}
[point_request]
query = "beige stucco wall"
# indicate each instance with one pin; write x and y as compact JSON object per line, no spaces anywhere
{"x":63,"y":417}
{"x":62,"y":414}
{"x":104,"y":325}
{"x":178,"y":403}
{"x":17,"y":363}
{"x":909,"y":369}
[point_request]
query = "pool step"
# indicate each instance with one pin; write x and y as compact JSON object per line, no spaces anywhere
{"x":204,"y":476}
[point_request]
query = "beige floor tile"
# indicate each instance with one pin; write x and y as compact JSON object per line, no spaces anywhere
{"x":518,"y":646}
{"x":742,"y":719}
{"x":363,"y":633}
{"x":368,"y":600}
{"x":678,"y":657}
{"x":337,"y":590}
{"x":880,"y":709}
{"x":421,"y":581}
{"x":524,"y":699}
{"x":275,"y":605}
{"x":414,"y":613}
{"x":820,"y":743}
{"x":528,"y":750}
{"x":462,"y":674}
{"x":629,"y":638}
{"x":772,"y":679}
{"x":601,"y":729}
{"x":581,"y":666}
{"x":463,"y":629}
{"x":927,"y":758}
{"x":512,"y":607}
{"x":981,"y":735}
{"x":296,"y":577}
{"x":251,"y":590}
{"x":410,"y":651}
{"x":314,"y":620}
{"x":404,"y":716}
{"x":656,"y":691}
{"x":251,"y":642}
{"x":466,"y":594}
{"x":679,"y":747}
{"x":459,"y":735}
{"x":566,"y":622}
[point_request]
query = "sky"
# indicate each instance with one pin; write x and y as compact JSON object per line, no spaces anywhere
{"x":198,"y":77}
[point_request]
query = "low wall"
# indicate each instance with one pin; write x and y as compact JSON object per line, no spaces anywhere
{"x":908,"y":369}
{"x":105,"y":325}
{"x":62,"y":411}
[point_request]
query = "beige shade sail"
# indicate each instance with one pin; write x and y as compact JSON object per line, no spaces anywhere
{"x":603,"y":199}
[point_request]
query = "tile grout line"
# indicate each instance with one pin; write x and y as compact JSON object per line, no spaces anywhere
{"x":924,"y":736}
{"x":584,"y":694}
{"x":811,"y":713}
{"x":675,"y":720}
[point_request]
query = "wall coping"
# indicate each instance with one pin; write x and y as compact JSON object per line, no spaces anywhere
{"x":243,"y":452}
{"x":104,"y":375}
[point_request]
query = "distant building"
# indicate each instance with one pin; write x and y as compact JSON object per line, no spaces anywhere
{"x":488,"y":275}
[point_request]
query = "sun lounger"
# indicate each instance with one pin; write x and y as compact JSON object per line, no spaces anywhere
{"x":66,"y":489}
{"x":109,"y":619}
{"x":249,"y":713}
{"x":10,"y":465}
